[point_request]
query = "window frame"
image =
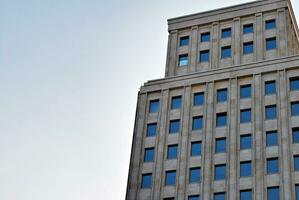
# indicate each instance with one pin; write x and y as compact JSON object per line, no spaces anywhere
{"x":226,"y":52}
{"x":185,"y":62}
{"x":269,"y":46}
{"x":183,"y":40}
{"x":146,"y":151}
{"x":270,"y":91}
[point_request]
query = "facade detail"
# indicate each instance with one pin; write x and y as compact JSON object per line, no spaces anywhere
{"x":224,"y":122}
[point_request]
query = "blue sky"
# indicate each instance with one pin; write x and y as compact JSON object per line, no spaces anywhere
{"x":69,"y":76}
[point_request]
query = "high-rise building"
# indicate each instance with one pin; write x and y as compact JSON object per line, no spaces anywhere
{"x":224,"y":122}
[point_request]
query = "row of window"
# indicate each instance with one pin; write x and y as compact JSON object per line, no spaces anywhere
{"x":227,"y":32}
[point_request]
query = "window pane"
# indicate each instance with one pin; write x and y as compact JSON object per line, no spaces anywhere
{"x":245,"y":142}
{"x":245,"y":169}
{"x":198,"y":99}
{"x":271,"y":112}
{"x":172,"y":152}
{"x":146,"y":181}
{"x":296,"y":163}
{"x":248,"y":28}
{"x":220,"y":172}
{"x":197,"y":123}
{"x":271,"y":139}
{"x":196,"y":149}
{"x":176,"y":102}
{"x":246,"y":195}
{"x":226,"y":33}
{"x":248,"y":48}
{"x":149,"y":155}
{"x":270,"y":24}
{"x":271,"y":43}
{"x":226,"y":52}
{"x":222,"y":95}
{"x":270,"y":87}
{"x":273,"y":193}
{"x":154,"y":106}
{"x":221,"y":119}
{"x":272,"y":166}
{"x":184,"y":41}
{"x":196,"y":197}
{"x":294,"y":83}
{"x":295,"y":108}
{"x":151,"y":130}
{"x":183,"y":60}
{"x":170,"y":178}
{"x":219,"y":196}
{"x":220,"y":145}
{"x":245,"y":116}
{"x":204,"y":56}
{"x":245,"y":91}
{"x":297,"y":192}
{"x":174,"y":126}
{"x":205,"y":37}
{"x":194,"y":176}
{"x":295,"y":135}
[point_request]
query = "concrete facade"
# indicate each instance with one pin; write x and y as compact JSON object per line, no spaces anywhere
{"x":279,"y":65}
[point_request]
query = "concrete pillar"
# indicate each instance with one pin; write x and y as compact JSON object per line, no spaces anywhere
{"x":172,"y":53}
{"x":194,"y":53}
{"x":215,"y":45}
{"x":259,"y":36}
{"x":237,"y":41}
{"x":282,"y":32}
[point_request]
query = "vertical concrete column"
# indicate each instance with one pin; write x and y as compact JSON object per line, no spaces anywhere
{"x":258,"y":137}
{"x":208,"y":143}
{"x":233,"y":140}
{"x":160,"y":146}
{"x":285,"y":140}
{"x":282,"y":32}
{"x":172,"y":53}
{"x":134,"y":174}
{"x":183,"y":165}
{"x":237,"y":41}
{"x":194,"y":44}
{"x":215,"y":45}
{"x":259,"y":36}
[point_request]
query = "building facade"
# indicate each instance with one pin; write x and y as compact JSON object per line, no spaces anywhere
{"x":224,"y":122}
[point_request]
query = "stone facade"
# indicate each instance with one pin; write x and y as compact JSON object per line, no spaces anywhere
{"x":279,"y":65}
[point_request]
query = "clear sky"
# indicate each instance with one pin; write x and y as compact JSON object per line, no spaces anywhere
{"x":70,"y":71}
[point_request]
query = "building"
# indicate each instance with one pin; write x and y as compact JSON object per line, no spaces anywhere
{"x":224,"y":122}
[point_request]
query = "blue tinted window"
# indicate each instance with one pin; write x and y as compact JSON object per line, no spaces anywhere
{"x":154,"y":106}
{"x":184,"y":41}
{"x":271,"y":112}
{"x":245,"y":169}
{"x":205,"y":37}
{"x":246,"y":195}
{"x":199,"y":99}
{"x":273,"y":193}
{"x":271,"y":43}
{"x":174,"y":126}
{"x":183,"y":60}
{"x":295,"y":108}
{"x":149,"y":155}
{"x":295,"y":135}
{"x":245,"y":91}
{"x":221,"y":119}
{"x":146,"y":181}
{"x":195,"y":197}
{"x":245,"y":116}
{"x":296,"y":163}
{"x":196,"y":149}
{"x":297,"y":192}
{"x":222,"y":95}
{"x":294,"y":83}
{"x":220,"y":145}
{"x":197,"y":123}
{"x":204,"y":56}
{"x":248,"y":28}
{"x":172,"y":152}
{"x":270,"y":87}
{"x":248,"y":48}
{"x":226,"y":52}
{"x":176,"y":102}
{"x":270,"y":24}
{"x":271,"y":138}
{"x":226,"y":33}
{"x":220,"y":171}
{"x":219,"y":196}
{"x":170,"y":178}
{"x":245,"y":142}
{"x":272,"y":166}
{"x":194,"y":176}
{"x":151,"y":130}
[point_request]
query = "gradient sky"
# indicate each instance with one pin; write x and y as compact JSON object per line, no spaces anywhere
{"x":70,"y":71}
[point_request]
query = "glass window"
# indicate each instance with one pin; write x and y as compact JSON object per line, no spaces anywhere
{"x":273,"y":193}
{"x":246,"y":195}
{"x":220,"y":145}
{"x":248,"y":48}
{"x":226,"y":52}
{"x":245,"y":91}
{"x":197,"y":123}
{"x":194,"y":175}
{"x":272,"y":166}
{"x":245,"y":141}
{"x":151,"y":130}
{"x":270,"y":24}
{"x":169,"y":198}
{"x":219,"y":196}
{"x":295,"y":135}
{"x":205,"y":37}
{"x":245,"y":168}
{"x":174,"y":126}
{"x":154,"y":106}
{"x":226,"y":33}
{"x":248,"y":28}
{"x":183,"y":60}
{"x":146,"y":181}
{"x":220,"y":172}
{"x":295,"y":108}
{"x":297,"y":192}
{"x":149,"y":154}
{"x":199,"y":99}
{"x":245,"y":116}
{"x":204,"y":56}
{"x":271,"y":138}
{"x":195,"y":148}
{"x":271,"y":112}
{"x":194,"y":197}
{"x":270,"y":87}
{"x":296,"y":163}
{"x":184,"y":41}
{"x":170,"y":178}
{"x":172,"y":151}
{"x":222,"y":95}
{"x":221,"y":119}
{"x":271,"y":43}
{"x":294,"y":83}
{"x":176,"y":102}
